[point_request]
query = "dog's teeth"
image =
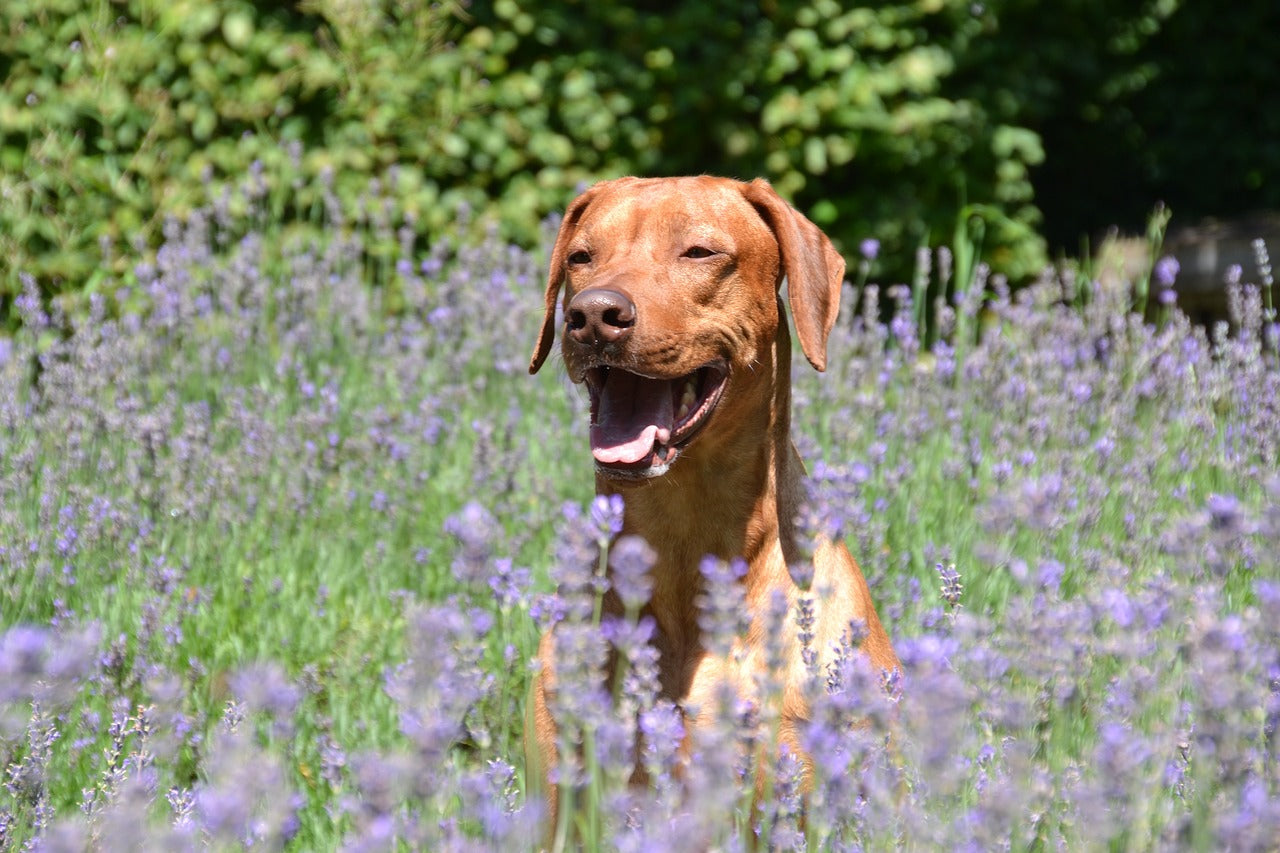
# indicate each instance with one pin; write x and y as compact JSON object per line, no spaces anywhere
{"x":687,"y":399}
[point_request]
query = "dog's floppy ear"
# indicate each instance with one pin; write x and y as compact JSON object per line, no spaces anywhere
{"x":555,"y":276}
{"x":813,"y":267}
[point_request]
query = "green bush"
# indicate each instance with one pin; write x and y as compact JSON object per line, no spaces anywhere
{"x":120,"y":114}
{"x":848,"y":109}
{"x":901,"y":121}
{"x":116,"y":114}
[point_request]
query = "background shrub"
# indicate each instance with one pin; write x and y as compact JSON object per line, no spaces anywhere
{"x":115,"y":113}
{"x":899,"y":121}
{"x":846,"y":109}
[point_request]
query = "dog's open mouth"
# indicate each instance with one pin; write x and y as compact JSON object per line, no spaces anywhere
{"x":639,"y":424}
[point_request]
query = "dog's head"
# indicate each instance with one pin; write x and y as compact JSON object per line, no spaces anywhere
{"x":670,"y":302}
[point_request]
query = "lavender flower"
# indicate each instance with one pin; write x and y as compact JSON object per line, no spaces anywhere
{"x":721,"y":610}
{"x":39,"y":665}
{"x":510,"y":583}
{"x":265,"y":689}
{"x":606,"y":515}
{"x":475,"y":529}
{"x":1166,"y":271}
{"x":245,"y":462}
{"x":951,"y":585}
{"x":631,"y":558}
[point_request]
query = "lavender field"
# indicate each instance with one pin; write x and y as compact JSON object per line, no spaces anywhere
{"x":276,"y":547}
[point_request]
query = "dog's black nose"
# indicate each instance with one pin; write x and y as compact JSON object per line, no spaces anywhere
{"x":600,"y":316}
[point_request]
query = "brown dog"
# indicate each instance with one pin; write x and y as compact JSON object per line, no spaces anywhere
{"x":674,"y":321}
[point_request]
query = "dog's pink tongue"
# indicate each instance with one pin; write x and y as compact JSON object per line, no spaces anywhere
{"x":634,"y":412}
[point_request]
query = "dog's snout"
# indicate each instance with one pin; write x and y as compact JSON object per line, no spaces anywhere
{"x":600,"y":316}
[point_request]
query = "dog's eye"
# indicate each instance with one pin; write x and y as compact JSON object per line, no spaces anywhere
{"x":579,"y":258}
{"x":698,"y":252}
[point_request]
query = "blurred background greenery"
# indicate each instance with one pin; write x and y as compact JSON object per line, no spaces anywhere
{"x":1030,"y":124}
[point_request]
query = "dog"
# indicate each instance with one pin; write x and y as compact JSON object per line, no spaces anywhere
{"x":674,"y":320}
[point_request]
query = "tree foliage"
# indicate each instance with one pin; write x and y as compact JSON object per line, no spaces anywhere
{"x":892,"y":120}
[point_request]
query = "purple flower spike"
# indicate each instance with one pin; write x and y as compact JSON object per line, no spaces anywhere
{"x":606,"y":515}
{"x":1166,"y":271}
{"x":631,"y":559}
{"x":476,"y":531}
{"x":951,"y":585}
{"x":265,"y":687}
{"x":1224,"y":510}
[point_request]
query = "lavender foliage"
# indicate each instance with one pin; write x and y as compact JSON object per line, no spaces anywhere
{"x":276,"y":548}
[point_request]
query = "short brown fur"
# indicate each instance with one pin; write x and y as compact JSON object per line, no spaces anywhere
{"x":735,"y":489}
